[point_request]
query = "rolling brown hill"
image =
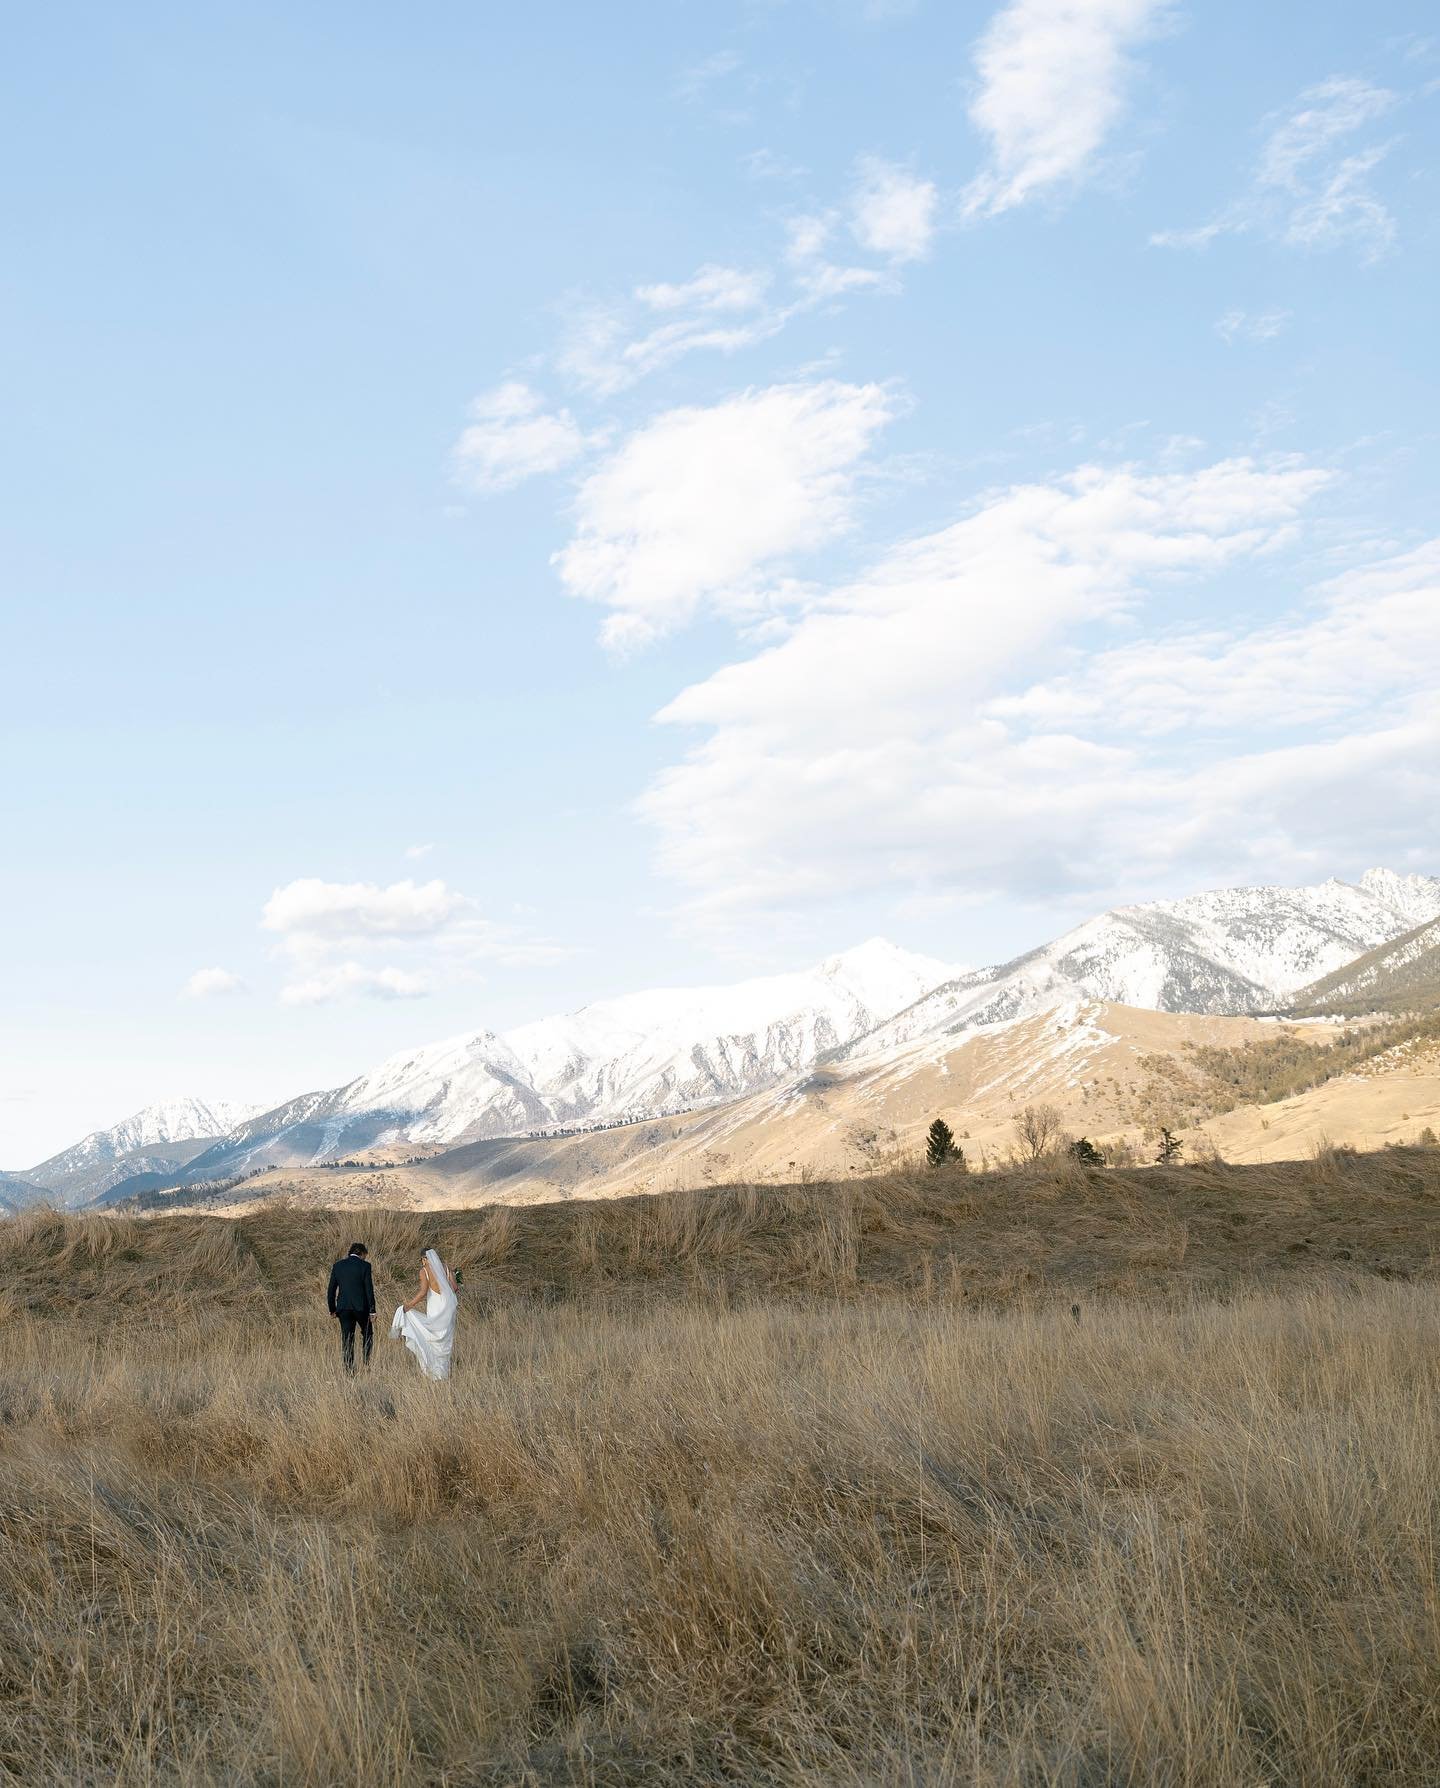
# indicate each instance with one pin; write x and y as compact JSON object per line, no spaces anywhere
{"x":993,"y":1236}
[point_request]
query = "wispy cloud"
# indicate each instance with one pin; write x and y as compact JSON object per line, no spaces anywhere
{"x":348,"y":980}
{"x":1305,"y":190}
{"x":1053,"y":81}
{"x":608,"y":347}
{"x":401,"y":941}
{"x":1257,"y":326}
{"x":696,"y":81}
{"x":511,"y":436}
{"x":711,"y":288}
{"x":212,"y":983}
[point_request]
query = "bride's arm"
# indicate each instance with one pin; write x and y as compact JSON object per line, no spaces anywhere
{"x":420,"y":1295}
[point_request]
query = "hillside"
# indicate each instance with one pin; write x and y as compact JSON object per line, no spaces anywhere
{"x":1255,"y":1089}
{"x":1400,"y":976}
{"x":992,"y":1235}
{"x":1004,"y":1479}
{"x":15,"y":1192}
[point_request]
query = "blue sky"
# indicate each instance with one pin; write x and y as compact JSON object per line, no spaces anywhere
{"x":504,"y":508}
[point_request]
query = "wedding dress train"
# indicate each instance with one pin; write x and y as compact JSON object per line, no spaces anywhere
{"x":430,"y":1333}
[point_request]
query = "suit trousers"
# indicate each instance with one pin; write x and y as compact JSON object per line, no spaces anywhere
{"x":350,"y":1320}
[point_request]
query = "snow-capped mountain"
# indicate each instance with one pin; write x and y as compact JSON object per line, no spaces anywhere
{"x":651,"y":1052}
{"x":16,"y":1193}
{"x":637,"y":1055}
{"x":158,"y":1139}
{"x":1231,"y":950}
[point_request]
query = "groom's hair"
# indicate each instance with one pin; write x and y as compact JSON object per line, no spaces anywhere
{"x":358,"y":1248}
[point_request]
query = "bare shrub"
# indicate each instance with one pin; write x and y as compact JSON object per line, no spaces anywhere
{"x":1038,"y":1130}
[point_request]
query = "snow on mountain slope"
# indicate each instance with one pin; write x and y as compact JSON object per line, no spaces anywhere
{"x":87,"y":1167}
{"x":1228,"y":950}
{"x":1413,"y":895}
{"x":440,"y":1091}
{"x":651,"y":1052}
{"x":639,"y":1054}
{"x":1403,"y":975}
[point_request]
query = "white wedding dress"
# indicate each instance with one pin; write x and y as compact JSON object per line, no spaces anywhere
{"x":430,"y":1333}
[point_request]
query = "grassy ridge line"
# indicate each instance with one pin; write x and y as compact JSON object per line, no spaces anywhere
{"x":988,"y":1237}
{"x":882,"y":1544}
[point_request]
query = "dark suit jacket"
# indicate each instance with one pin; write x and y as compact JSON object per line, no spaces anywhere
{"x":352,"y":1287}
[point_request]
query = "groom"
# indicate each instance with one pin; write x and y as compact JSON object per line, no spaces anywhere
{"x":352,"y":1298}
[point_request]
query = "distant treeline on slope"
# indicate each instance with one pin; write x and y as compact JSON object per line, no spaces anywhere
{"x":1401,"y":976}
{"x":1208,"y":1079}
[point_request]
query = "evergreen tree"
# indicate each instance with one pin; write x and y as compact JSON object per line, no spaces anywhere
{"x":940,"y":1145}
{"x":1086,"y":1153}
{"x":1170,"y":1147}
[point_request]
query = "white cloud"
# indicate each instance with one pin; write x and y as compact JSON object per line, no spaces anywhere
{"x":710,"y":288}
{"x":899,"y":740}
{"x":1335,"y":108}
{"x":416,"y":851}
{"x":610,"y":347}
{"x":1303,"y":190}
{"x":1053,"y":76}
{"x":816,"y":277}
{"x":344,"y":980}
{"x":511,"y":436}
{"x":395,"y":942}
{"x":892,"y":211}
{"x":1344,"y":211}
{"x":315,"y":910}
{"x":1368,"y":638}
{"x":692,"y":507}
{"x":210,"y":983}
{"x":1242,"y":325}
{"x":765,"y":164}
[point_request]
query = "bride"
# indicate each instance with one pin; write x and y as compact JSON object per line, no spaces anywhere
{"x":429,"y":1333}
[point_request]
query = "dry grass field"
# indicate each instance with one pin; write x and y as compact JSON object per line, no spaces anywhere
{"x":821,"y":1484}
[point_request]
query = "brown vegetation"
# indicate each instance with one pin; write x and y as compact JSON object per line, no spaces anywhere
{"x":819,"y":1484}
{"x":1206,"y":1080}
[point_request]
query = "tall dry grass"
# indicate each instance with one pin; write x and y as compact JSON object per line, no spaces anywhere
{"x":824,"y":1541}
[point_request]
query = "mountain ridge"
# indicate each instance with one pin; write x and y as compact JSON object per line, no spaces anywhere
{"x":158,"y":1135}
{"x":665,"y":1051}
{"x":1402,"y":975}
{"x":1222,"y":951}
